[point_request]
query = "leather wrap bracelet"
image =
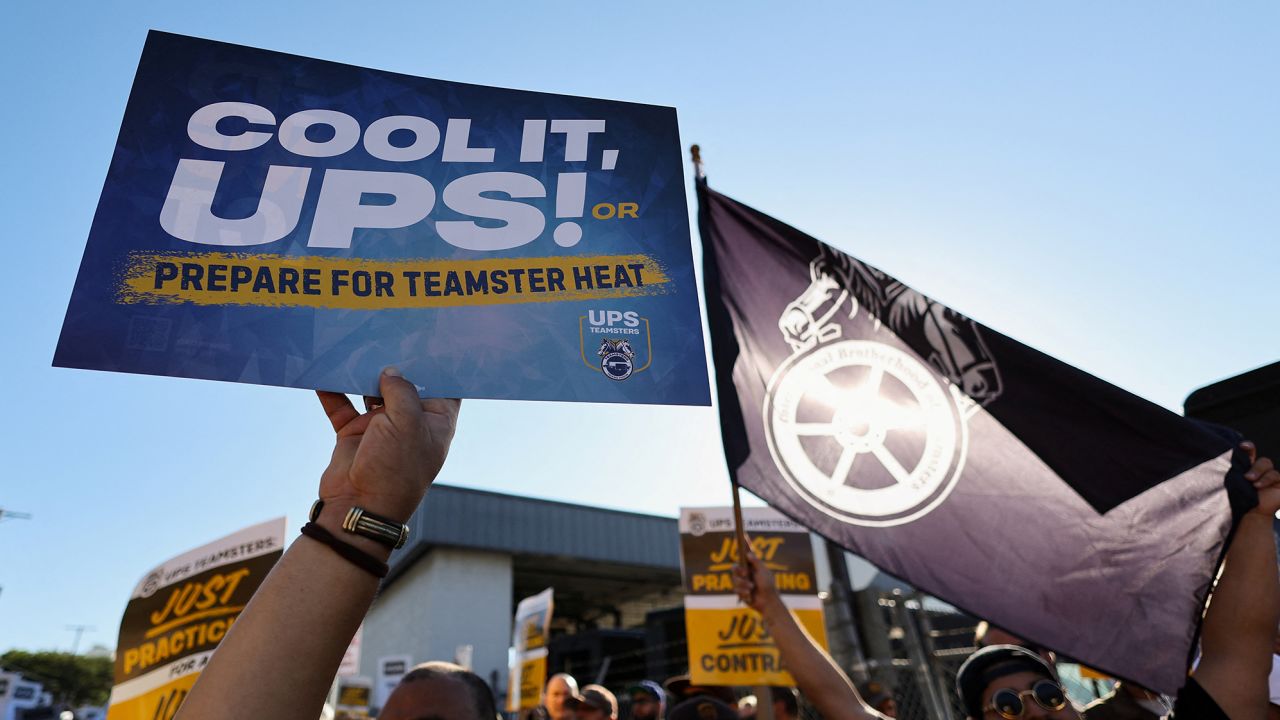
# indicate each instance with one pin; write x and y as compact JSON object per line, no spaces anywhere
{"x":351,"y":553}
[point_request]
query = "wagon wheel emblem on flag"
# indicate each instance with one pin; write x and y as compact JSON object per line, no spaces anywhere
{"x":864,"y":430}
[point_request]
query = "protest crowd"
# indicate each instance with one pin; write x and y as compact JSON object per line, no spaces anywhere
{"x":276,"y":219}
{"x":305,"y":613}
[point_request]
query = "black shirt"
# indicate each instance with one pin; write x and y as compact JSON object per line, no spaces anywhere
{"x":1194,"y":703}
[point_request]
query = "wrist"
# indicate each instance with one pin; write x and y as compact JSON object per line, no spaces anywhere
{"x":393,"y":508}
{"x":331,"y":518}
{"x":772,"y":607}
{"x":1259,"y":515}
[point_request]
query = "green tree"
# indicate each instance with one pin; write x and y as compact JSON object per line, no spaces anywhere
{"x":72,"y":679}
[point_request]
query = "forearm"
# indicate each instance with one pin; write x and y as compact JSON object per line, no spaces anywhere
{"x":280,"y":657}
{"x":816,"y":674}
{"x":1246,"y":604}
{"x":1240,"y":624}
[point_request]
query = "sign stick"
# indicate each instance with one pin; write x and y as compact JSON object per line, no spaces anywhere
{"x":738,"y":525}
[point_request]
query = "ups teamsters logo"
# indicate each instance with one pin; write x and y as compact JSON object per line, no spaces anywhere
{"x":863,"y":430}
{"x":697,"y":524}
{"x":151,"y":584}
{"x":625,"y":346}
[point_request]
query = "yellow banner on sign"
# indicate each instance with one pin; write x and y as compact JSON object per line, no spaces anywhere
{"x":730,"y":646}
{"x":269,"y":280}
{"x":160,"y":703}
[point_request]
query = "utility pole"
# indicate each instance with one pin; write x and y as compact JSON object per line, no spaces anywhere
{"x":79,"y":631}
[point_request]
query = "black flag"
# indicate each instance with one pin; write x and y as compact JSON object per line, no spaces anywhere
{"x":1059,"y":507}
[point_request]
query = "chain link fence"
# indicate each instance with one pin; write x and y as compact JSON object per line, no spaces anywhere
{"x":921,"y":645}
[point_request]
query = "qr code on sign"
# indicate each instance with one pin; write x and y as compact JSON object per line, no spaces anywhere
{"x":148,"y":333}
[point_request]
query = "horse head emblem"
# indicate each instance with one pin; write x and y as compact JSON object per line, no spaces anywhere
{"x":839,"y":285}
{"x":610,"y":347}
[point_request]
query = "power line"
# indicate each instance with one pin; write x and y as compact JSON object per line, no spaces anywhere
{"x":13,"y":515}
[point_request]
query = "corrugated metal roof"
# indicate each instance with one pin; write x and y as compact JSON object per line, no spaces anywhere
{"x":462,"y":517}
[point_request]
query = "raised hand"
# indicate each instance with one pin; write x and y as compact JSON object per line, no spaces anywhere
{"x":753,"y":582}
{"x":385,"y":459}
{"x":1266,"y":480}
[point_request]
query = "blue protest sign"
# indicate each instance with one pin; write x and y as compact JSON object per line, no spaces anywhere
{"x":280,"y":220}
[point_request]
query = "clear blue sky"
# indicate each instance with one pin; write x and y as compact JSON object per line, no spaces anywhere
{"x":1099,"y":180}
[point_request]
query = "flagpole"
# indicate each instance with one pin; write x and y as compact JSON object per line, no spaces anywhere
{"x":763,"y":693}
{"x":695,"y":153}
{"x":739,"y":528}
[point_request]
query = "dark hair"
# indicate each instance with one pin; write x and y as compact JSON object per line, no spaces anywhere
{"x":481,"y":695}
{"x":787,"y":696}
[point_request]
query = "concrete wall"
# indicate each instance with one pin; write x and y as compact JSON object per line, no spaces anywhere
{"x":449,"y":597}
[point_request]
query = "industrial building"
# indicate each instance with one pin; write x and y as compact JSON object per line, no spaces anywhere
{"x":618,"y":616}
{"x":473,"y":554}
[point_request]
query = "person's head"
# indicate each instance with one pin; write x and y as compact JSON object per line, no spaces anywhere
{"x":880,"y":699}
{"x":704,"y":707}
{"x":681,"y":688}
{"x":561,"y":696}
{"x":785,"y":704}
{"x":597,"y":703}
{"x":647,"y":700}
{"x":1004,"y":682}
{"x":440,"y":691}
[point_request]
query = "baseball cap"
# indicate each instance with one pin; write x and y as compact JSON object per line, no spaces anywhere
{"x":991,"y":663}
{"x":681,"y":687}
{"x":648,"y":687}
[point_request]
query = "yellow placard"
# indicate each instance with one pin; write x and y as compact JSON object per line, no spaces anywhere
{"x":730,"y":646}
{"x":528,"y":670}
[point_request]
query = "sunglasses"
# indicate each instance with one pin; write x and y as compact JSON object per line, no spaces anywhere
{"x":1007,"y":702}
